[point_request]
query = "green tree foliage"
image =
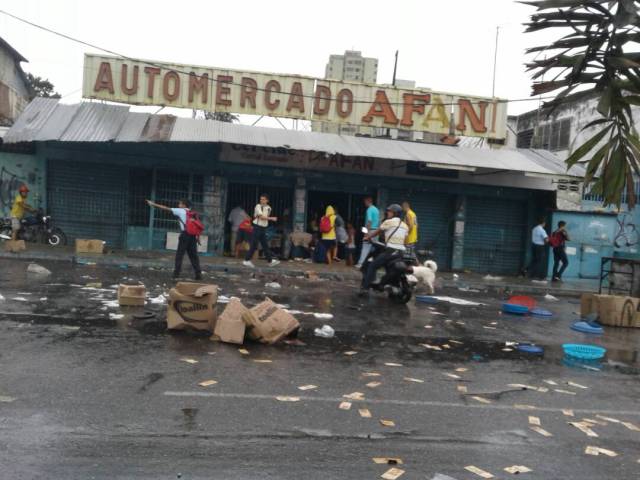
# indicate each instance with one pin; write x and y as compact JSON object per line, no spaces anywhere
{"x":41,"y":87}
{"x":597,"y":52}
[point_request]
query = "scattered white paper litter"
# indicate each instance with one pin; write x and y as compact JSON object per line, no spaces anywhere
{"x":161,"y":299}
{"x":323,"y":316}
{"x":550,"y":298}
{"x":1,"y":298}
{"x":19,"y":299}
{"x":274,"y":285}
{"x":491,"y":278}
{"x":111,"y":303}
{"x":458,"y":301}
{"x":116,"y":316}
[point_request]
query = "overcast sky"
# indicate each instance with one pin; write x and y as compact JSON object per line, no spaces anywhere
{"x":444,"y":45}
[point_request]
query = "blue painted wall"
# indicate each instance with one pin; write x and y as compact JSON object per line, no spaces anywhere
{"x":592,"y":235}
{"x":16,"y":169}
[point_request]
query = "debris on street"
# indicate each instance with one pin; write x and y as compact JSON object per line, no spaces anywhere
{"x":287,"y":399}
{"x":345,"y":406}
{"x":130,"y":295}
{"x":364,"y":413}
{"x":590,"y":450}
{"x":387,"y":423}
{"x":192,"y":307}
{"x":207,"y":383}
{"x":387,"y":460}
{"x":189,"y":360}
{"x":478,"y":471}
{"x":325,"y":332}
{"x":584,"y":427}
{"x":38,"y":269}
{"x":307,"y":387}
{"x":230,"y":326}
{"x":273,"y":285}
{"x":516,"y":469}
{"x":268,"y":323}
{"x":414,"y":380}
{"x":392,"y":474}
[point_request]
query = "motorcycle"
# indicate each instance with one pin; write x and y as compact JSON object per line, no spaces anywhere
{"x":400,"y":285}
{"x":35,"y":229}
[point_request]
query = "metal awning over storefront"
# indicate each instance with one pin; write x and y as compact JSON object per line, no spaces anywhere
{"x":46,"y":120}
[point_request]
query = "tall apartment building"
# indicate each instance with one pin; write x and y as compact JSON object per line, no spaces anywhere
{"x":353,"y":67}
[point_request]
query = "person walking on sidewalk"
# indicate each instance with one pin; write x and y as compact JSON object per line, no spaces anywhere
{"x":411,"y":219}
{"x":539,"y":240}
{"x":371,"y":222}
{"x":328,"y":231}
{"x":236,"y":217}
{"x":557,"y":242}
{"x":261,"y":218}
{"x":186,"y":242}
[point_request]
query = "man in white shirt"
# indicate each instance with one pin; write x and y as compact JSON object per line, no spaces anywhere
{"x":395,"y":234}
{"x":261,"y":218}
{"x":236,"y":216}
{"x":186,"y":243}
{"x":539,"y":240}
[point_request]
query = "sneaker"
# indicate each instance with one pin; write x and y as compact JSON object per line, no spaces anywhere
{"x":198,"y":276}
{"x":248,"y":263}
{"x":274,"y":262}
{"x":357,"y":266}
{"x":555,"y":279}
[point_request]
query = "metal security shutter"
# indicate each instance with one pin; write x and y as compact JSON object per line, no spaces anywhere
{"x":435,"y":219}
{"x":494,"y":235}
{"x":88,"y":200}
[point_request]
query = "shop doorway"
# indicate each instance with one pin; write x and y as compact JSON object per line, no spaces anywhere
{"x":350,"y":206}
{"x":247,"y":196}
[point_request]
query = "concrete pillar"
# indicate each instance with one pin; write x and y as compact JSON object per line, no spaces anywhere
{"x":300,"y":205}
{"x":382,"y":200}
{"x":214,"y":202}
{"x":457,"y":250}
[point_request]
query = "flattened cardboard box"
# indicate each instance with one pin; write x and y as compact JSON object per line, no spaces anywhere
{"x":612,"y":310}
{"x":89,"y":246}
{"x":230,"y":326}
{"x":192,"y":306}
{"x":132,"y":295}
{"x":15,"y":246}
{"x":268,"y":323}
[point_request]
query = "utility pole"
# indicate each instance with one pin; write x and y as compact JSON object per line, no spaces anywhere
{"x":495,"y":62}
{"x":393,"y":82}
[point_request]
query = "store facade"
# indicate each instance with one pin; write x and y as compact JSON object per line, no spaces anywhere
{"x":100,"y":162}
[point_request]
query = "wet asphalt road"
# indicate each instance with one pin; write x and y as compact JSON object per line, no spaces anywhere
{"x":85,"y":393}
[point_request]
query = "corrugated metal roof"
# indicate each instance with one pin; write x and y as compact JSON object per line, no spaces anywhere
{"x":57,"y":123}
{"x":31,"y":120}
{"x":46,"y":119}
{"x":95,"y":122}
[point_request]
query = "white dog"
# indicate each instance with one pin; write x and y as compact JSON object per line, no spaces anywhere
{"x":427,"y":274}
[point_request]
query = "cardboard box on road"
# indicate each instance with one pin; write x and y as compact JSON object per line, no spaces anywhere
{"x":15,"y":246}
{"x":132,"y":295}
{"x":268,"y":323}
{"x":230,"y":326}
{"x":89,"y":246}
{"x":612,"y":310}
{"x":192,"y":306}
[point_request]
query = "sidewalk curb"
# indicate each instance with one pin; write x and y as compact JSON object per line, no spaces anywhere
{"x":282,"y":269}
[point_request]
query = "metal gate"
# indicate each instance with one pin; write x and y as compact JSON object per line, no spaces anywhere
{"x":88,"y":200}
{"x":435,"y":213}
{"x":494,"y":235}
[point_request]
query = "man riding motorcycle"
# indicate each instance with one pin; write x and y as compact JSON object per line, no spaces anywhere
{"x":395,"y":233}
{"x":18,"y":209}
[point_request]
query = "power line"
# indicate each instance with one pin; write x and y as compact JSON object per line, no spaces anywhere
{"x":215,"y":80}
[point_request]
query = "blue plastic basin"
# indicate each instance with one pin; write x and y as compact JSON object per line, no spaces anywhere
{"x":514,"y":309}
{"x":584,"y":351}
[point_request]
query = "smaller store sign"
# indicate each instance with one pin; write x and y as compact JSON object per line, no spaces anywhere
{"x":298,"y":159}
{"x":293,"y":96}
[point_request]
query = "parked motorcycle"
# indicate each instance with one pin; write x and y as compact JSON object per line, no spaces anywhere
{"x":38,"y":228}
{"x":399,"y":287}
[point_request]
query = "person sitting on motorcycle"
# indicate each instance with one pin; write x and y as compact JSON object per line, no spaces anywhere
{"x":395,"y":233}
{"x":18,"y":209}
